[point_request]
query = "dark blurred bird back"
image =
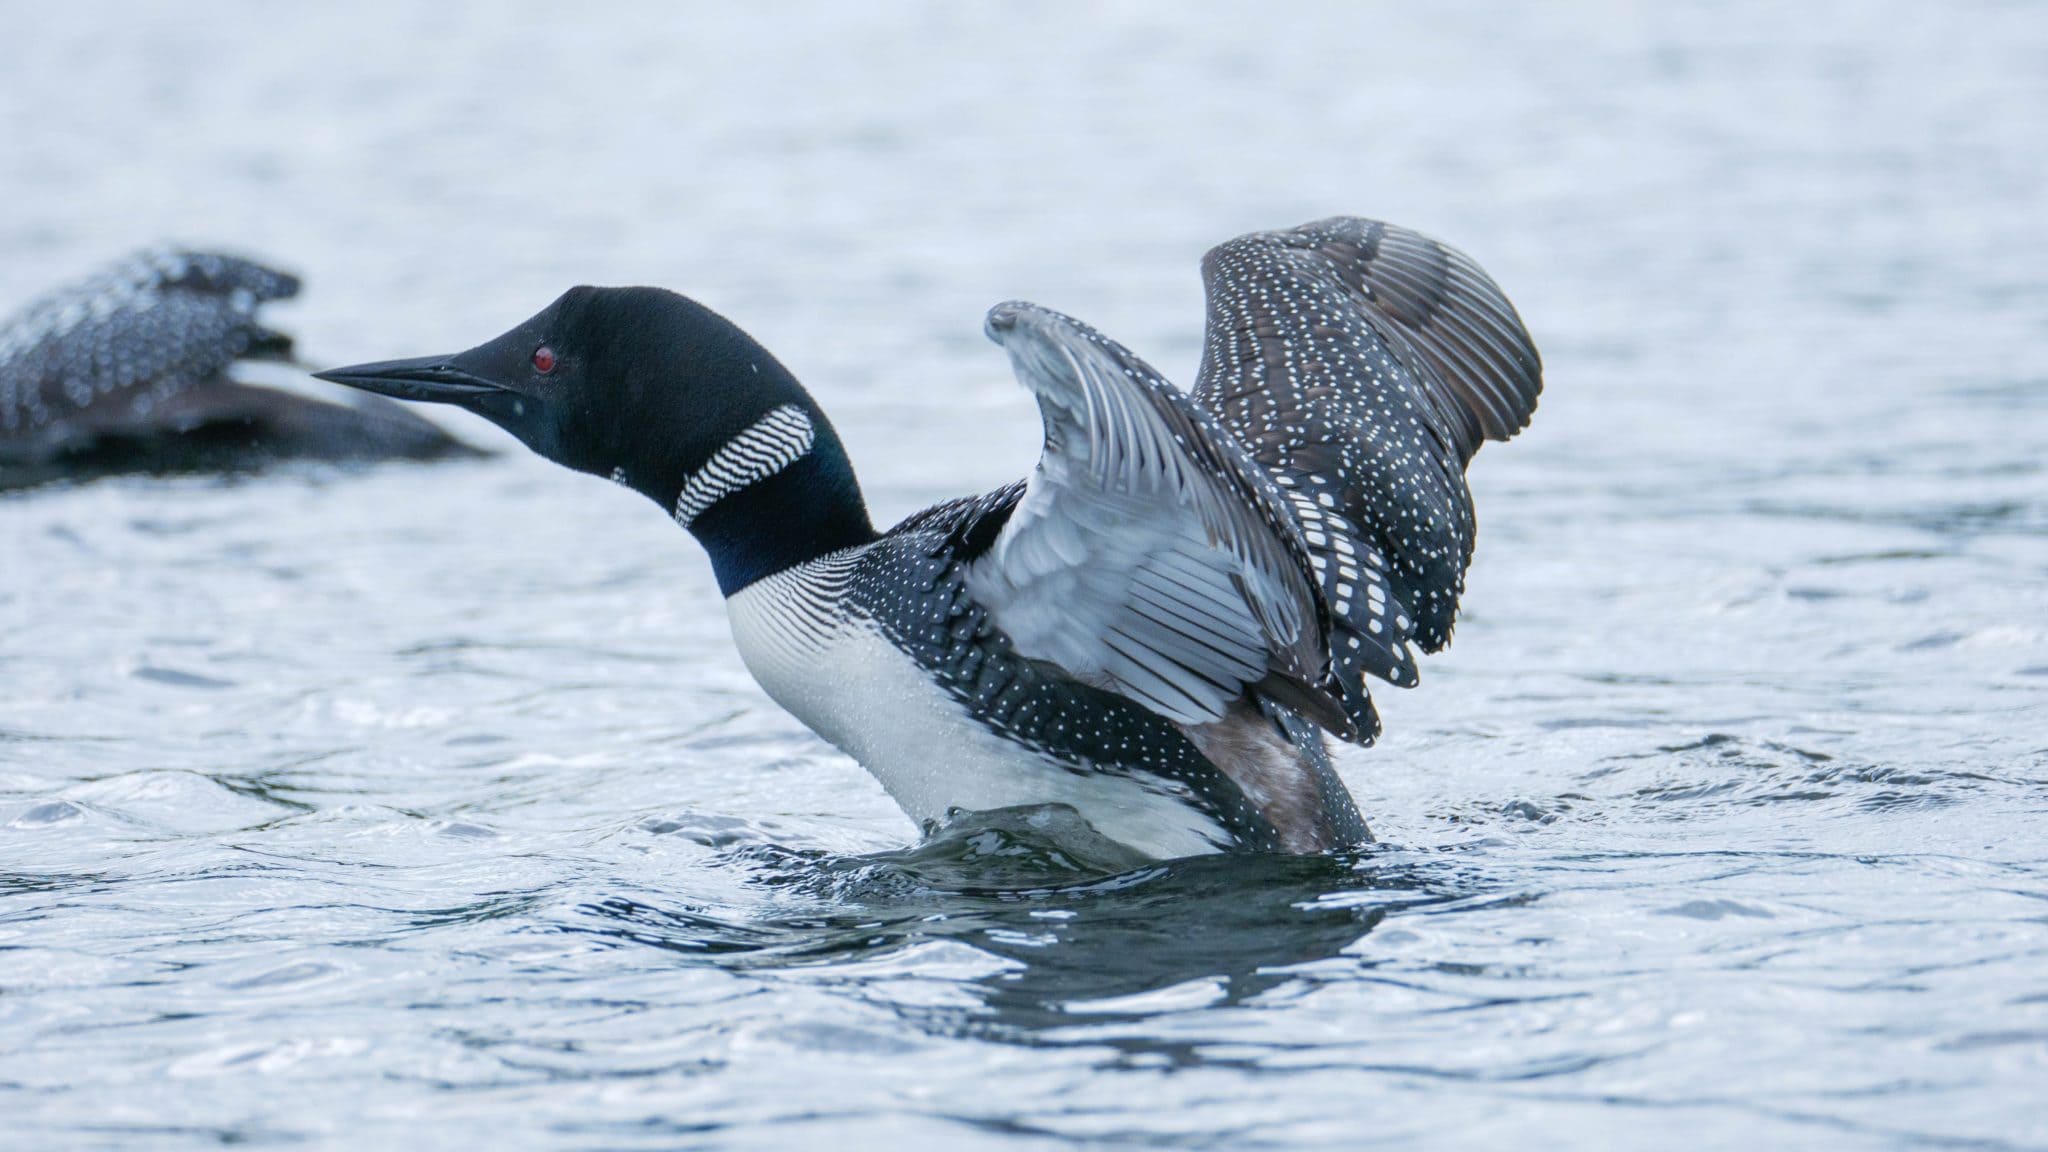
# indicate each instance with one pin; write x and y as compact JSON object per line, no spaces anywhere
{"x":129,"y":371}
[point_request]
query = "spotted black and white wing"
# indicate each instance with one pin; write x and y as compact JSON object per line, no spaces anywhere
{"x":1363,"y":364}
{"x":1148,"y":554}
{"x":111,"y":350}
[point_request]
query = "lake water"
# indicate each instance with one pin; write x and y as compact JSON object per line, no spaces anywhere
{"x":430,"y":806}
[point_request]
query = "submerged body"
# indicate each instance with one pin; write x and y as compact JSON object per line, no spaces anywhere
{"x":1157,"y":627}
{"x":128,"y":371}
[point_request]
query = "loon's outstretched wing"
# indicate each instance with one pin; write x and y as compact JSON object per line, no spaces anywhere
{"x":103,"y":354}
{"x":1148,"y":554}
{"x":1363,"y":364}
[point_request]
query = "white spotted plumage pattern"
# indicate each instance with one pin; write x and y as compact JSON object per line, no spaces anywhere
{"x":1148,"y":554}
{"x":1172,"y":548}
{"x":142,"y":330}
{"x":1363,"y":364}
{"x":881,"y":650}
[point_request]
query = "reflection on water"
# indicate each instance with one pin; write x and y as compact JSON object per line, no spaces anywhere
{"x":432,"y":807}
{"x":1089,"y":933}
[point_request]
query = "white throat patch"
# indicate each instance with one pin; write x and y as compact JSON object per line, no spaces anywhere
{"x":767,"y":446}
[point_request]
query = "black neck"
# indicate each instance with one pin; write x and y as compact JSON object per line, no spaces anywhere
{"x":677,"y":382}
{"x":807,"y":510}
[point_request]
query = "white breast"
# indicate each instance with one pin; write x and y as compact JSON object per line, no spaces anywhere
{"x":835,"y":672}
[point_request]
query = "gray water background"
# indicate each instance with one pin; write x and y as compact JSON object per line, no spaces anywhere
{"x":429,"y":806}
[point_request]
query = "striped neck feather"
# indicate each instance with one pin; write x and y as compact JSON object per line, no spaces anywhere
{"x":764,"y":448}
{"x":778,"y":493}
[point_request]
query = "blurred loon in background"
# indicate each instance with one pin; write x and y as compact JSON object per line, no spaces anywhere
{"x":1156,"y":627}
{"x":128,"y":372}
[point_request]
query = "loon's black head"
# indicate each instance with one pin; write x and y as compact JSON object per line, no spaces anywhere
{"x":665,"y":396}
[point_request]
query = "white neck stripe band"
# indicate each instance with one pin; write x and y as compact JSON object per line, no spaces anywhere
{"x":767,"y":446}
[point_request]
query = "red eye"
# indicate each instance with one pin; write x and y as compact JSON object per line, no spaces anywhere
{"x":543,"y":359}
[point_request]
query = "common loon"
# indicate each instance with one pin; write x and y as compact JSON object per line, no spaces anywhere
{"x":128,"y":372}
{"x":1158,"y":624}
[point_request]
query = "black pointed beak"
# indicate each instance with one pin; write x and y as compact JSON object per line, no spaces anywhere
{"x":433,"y":378}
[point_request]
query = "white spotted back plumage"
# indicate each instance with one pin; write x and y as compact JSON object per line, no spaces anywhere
{"x":146,"y":328}
{"x":1298,"y":525}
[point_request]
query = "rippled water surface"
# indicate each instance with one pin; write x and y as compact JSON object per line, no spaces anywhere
{"x":430,"y":806}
